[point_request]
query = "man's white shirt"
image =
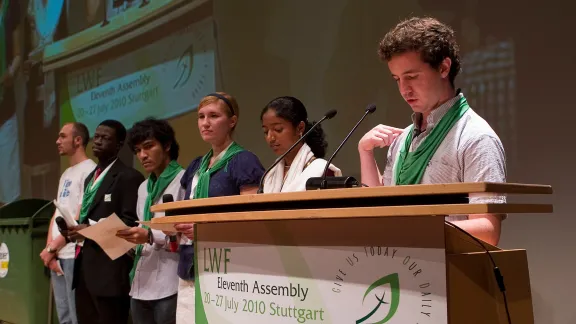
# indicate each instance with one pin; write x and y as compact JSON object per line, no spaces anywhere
{"x":70,"y":194}
{"x":470,"y":152}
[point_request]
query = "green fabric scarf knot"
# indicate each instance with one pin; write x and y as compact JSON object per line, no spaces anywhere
{"x":204,"y":174}
{"x":410,"y":166}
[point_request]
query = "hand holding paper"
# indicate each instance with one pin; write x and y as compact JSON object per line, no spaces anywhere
{"x":74,"y":233}
{"x":104,"y":234}
{"x":55,"y":266}
{"x":136,"y":235}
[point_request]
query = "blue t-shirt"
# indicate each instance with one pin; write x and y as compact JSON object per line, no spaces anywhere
{"x":244,"y":169}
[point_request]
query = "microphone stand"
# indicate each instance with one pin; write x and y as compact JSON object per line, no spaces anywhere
{"x":339,"y":182}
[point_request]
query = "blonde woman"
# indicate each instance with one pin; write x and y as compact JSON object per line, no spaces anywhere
{"x":226,"y":170}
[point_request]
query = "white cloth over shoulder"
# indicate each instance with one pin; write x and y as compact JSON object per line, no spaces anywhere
{"x":298,"y":173}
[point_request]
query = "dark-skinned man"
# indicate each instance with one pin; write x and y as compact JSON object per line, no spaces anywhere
{"x":103,"y":285}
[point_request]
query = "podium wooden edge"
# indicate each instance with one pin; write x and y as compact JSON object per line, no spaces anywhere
{"x":381,"y":211}
{"x":388,"y":191}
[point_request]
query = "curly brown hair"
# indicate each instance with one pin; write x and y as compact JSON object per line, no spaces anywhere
{"x":432,"y":39}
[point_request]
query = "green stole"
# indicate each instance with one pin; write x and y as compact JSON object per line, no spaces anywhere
{"x":410,"y":166}
{"x":204,"y":174}
{"x":3,"y":55}
{"x":201,"y":191}
{"x":154,"y":188}
{"x":89,"y":193}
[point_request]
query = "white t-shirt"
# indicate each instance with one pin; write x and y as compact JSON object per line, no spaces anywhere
{"x":70,"y":193}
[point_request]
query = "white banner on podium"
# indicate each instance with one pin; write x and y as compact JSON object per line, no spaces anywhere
{"x":242,"y":283}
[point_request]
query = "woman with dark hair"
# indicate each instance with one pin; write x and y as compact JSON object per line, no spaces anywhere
{"x":284,"y":121}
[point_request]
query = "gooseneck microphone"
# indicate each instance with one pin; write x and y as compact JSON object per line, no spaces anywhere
{"x":168,"y":198}
{"x":329,"y":115}
{"x":338,"y":182}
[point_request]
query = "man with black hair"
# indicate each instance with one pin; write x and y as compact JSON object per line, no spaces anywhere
{"x":59,"y":254}
{"x":103,"y":285}
{"x":154,"y":283}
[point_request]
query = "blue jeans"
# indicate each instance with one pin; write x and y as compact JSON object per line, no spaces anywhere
{"x":63,"y":293}
{"x":159,"y":311}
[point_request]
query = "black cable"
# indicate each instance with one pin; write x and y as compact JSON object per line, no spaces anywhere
{"x":497,"y":272}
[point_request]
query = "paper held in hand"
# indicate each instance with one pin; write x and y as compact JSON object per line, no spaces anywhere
{"x":104,"y":234}
{"x":69,"y":219}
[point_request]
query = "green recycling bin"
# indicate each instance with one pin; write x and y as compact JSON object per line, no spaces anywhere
{"x":25,"y":296}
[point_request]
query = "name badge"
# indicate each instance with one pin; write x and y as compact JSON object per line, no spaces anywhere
{"x":107,"y":197}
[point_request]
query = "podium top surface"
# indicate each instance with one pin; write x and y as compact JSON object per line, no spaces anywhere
{"x":332,"y":196}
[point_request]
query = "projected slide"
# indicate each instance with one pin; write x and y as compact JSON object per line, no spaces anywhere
{"x":163,"y":79}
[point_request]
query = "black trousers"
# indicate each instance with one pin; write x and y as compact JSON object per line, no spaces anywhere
{"x":99,"y":310}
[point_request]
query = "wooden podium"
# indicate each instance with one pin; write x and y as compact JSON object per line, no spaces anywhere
{"x":362,"y":255}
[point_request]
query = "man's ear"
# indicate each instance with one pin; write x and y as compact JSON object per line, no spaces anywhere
{"x":445,"y":66}
{"x":77,"y":141}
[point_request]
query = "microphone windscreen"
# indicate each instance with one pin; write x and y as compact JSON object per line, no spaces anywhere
{"x":371,"y":108}
{"x":331,"y":113}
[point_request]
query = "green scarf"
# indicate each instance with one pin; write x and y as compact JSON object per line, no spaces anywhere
{"x":89,"y":193}
{"x":3,"y":45}
{"x":410,"y":166}
{"x":204,"y":173}
{"x":155,"y":187}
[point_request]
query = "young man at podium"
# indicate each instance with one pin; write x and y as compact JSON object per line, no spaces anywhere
{"x":447,"y":141}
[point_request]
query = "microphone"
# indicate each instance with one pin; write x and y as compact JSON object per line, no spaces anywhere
{"x":168,"y":198}
{"x":61,"y":223}
{"x":338,"y":182}
{"x":329,"y":115}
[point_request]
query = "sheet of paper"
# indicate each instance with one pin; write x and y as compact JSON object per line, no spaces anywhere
{"x":91,"y":222}
{"x":70,"y":221}
{"x":60,"y":269}
{"x":159,"y":226}
{"x":104,"y":234}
